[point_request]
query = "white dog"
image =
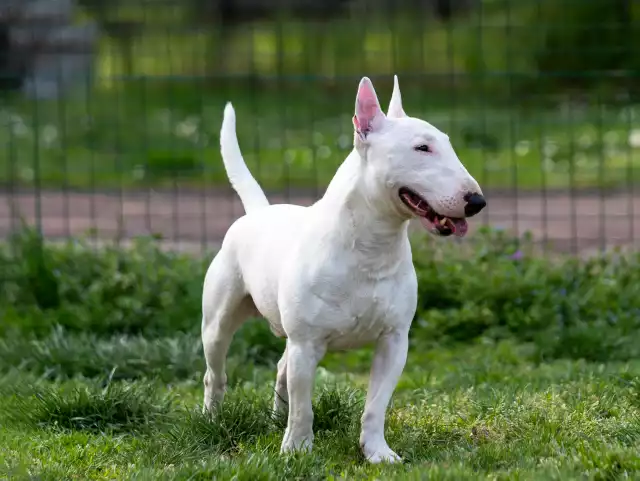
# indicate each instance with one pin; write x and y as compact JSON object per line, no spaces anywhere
{"x":337,"y":274}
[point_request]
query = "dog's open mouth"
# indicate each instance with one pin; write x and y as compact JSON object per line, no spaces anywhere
{"x":429,"y":218}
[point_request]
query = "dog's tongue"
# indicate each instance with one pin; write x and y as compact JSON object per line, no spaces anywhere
{"x":458,"y":226}
{"x":461,"y":227}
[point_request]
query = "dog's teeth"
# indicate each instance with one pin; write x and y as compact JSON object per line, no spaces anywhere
{"x":451,"y":225}
{"x":443,"y":221}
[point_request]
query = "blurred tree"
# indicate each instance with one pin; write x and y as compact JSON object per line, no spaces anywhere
{"x":222,"y":19}
{"x":587,"y":41}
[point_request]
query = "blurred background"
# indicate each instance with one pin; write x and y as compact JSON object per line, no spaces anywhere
{"x":111,"y":109}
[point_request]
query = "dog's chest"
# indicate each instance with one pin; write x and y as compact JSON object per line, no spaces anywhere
{"x":354,"y":309}
{"x":365,"y":314}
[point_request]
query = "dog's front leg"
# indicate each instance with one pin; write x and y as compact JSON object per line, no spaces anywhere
{"x":302,"y":361}
{"x":388,"y":363}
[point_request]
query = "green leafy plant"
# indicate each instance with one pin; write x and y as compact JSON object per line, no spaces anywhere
{"x":490,"y":286}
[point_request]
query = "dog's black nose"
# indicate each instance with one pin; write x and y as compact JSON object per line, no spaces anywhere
{"x":475,"y":203}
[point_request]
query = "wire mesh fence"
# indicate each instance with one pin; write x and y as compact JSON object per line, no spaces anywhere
{"x":111,"y":130}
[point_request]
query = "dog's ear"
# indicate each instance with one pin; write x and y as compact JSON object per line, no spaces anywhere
{"x":369,"y":116}
{"x":395,"y":106}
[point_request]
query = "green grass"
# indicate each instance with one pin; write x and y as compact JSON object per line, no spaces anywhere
{"x":485,"y":411}
{"x":520,"y":367}
{"x":298,"y":135}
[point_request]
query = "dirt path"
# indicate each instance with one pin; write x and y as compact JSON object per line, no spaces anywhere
{"x":194,"y":220}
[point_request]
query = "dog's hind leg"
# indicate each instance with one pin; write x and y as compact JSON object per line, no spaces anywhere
{"x":281,"y":396}
{"x":225,"y":306}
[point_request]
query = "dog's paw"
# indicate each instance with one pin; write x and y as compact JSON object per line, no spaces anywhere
{"x":290,"y":445}
{"x":380,"y":454}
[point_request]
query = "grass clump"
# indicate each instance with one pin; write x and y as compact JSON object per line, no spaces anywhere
{"x":117,"y":407}
{"x":337,"y":409}
{"x":240,"y":420}
{"x":63,"y":355}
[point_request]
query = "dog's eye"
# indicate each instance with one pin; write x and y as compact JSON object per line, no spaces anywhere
{"x":423,"y":148}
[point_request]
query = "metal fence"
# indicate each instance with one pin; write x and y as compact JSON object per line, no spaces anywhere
{"x":539,"y":98}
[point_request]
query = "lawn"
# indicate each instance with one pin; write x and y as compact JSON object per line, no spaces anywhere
{"x":487,"y":411}
{"x":297,"y":133}
{"x":528,"y":369}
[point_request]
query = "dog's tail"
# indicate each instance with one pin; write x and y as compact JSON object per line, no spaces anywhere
{"x":251,"y":195}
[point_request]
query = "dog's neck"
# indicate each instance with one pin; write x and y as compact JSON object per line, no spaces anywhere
{"x":376,"y":231}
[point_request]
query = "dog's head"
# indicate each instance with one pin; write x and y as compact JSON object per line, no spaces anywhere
{"x":411,"y":165}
